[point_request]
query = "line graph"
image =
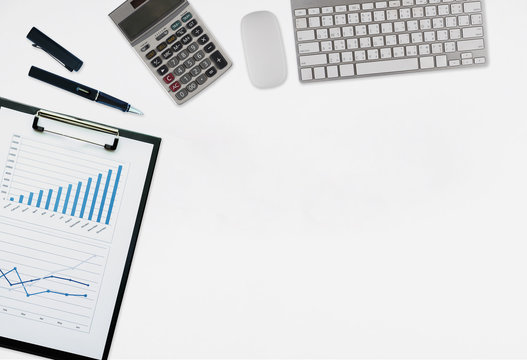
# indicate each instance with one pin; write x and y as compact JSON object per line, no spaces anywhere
{"x":49,"y":276}
{"x":48,"y":291}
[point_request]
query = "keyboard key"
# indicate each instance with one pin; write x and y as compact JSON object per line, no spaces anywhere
{"x":186,"y":17}
{"x":181,"y":32}
{"x":177,"y":46}
{"x":197,"y":31}
{"x":173,"y":62}
{"x":211,"y":72}
{"x":183,"y":55}
{"x":163,"y":70}
{"x":305,"y":35}
{"x":210,"y":47}
{"x":320,"y":73}
{"x":151,"y":55}
{"x":195,"y":71}
{"x":470,"y":45}
{"x":193,"y":86}
{"x":347,"y":70}
{"x":187,"y":39}
{"x":427,"y":62}
{"x":203,"y":40}
{"x":171,"y":39}
{"x":200,"y":55}
{"x":202,"y":79}
{"x":300,"y":12}
{"x":193,"y":47}
{"x":162,"y":46}
{"x":441,"y":61}
{"x":191,"y":24}
{"x":156,"y":62}
{"x":169,"y":78}
{"x":181,"y":94}
{"x":162,"y":35}
{"x":175,"y":86}
{"x":472,"y":7}
{"x":311,"y":60}
{"x":306,"y":74}
{"x":180,"y":70}
{"x":185,"y":79}
{"x":387,"y":66}
{"x":167,"y":54}
{"x":205,"y":64}
{"x":176,"y":25}
{"x":218,"y":60}
{"x":189,"y":63}
{"x":308,"y":48}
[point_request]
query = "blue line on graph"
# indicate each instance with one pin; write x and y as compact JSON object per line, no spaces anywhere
{"x":30,"y":199}
{"x":86,"y":193}
{"x":57,"y":201}
{"x":114,"y":192}
{"x":79,"y":186}
{"x":40,"y":193}
{"x":67,"y":199}
{"x":101,"y":208}
{"x":28,"y":294}
{"x":48,"y":201}
{"x":21,"y":199}
{"x":99,"y":177}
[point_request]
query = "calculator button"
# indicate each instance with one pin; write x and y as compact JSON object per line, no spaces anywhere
{"x":180,"y":70}
{"x":205,"y":64}
{"x":182,"y":94}
{"x":195,"y":71}
{"x":144,"y":48}
{"x":186,"y":17}
{"x":173,"y":62}
{"x":156,"y":62}
{"x":201,"y":79}
{"x":167,"y":54}
{"x":150,"y":55}
{"x":171,"y":39}
{"x":177,"y":46}
{"x":204,"y":39}
{"x":176,"y":25}
{"x":210,"y":47}
{"x":186,"y":39}
{"x":162,"y":35}
{"x":162,"y":70}
{"x":219,"y":60}
{"x":162,"y":46}
{"x":193,"y":47}
{"x":169,"y":78}
{"x":185,"y":79}
{"x":200,"y":55}
{"x":183,"y":55}
{"x":192,"y":23}
{"x":211,"y":72}
{"x":181,"y":32}
{"x":175,"y":86}
{"x":189,"y":63}
{"x":197,"y":31}
{"x":192,"y":86}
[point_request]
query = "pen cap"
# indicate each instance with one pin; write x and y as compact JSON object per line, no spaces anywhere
{"x":41,"y":40}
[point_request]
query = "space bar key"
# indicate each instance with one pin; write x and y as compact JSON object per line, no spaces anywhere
{"x":388,"y":66}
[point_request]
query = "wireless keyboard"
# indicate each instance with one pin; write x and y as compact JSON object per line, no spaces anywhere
{"x":352,"y":38}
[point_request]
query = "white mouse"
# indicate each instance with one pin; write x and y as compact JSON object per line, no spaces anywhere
{"x":264,"y":49}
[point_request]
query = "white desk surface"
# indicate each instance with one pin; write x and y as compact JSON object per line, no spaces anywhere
{"x":374,"y":218}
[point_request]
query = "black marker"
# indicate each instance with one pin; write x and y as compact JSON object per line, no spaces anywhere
{"x":81,"y":90}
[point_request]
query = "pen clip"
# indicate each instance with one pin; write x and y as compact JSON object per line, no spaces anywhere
{"x":50,"y":54}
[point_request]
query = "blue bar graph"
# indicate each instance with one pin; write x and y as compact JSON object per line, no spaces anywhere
{"x":65,"y":208}
{"x":86,"y":194}
{"x":79,"y":186}
{"x":40,"y":194}
{"x":48,"y":201}
{"x":86,"y":197}
{"x":57,"y":201}
{"x":94,"y":201}
{"x":114,"y":193}
{"x":105,"y":192}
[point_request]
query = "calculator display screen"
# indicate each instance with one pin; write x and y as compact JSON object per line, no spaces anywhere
{"x":146,"y":16}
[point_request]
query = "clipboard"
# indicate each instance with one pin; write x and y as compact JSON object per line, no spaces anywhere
{"x":118,"y":135}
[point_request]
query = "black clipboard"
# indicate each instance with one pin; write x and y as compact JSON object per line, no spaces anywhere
{"x":156,"y":142}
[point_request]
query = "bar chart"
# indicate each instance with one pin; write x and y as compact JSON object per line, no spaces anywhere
{"x":66,"y":183}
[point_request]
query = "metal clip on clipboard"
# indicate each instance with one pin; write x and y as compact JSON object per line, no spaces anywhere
{"x":70,"y":120}
{"x":66,"y":119}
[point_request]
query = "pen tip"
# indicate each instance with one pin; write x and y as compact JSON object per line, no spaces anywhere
{"x":135,"y":111}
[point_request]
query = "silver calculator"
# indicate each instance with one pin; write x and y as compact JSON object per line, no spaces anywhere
{"x":174,"y":43}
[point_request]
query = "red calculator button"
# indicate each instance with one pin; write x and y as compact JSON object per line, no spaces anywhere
{"x":175,"y":86}
{"x":169,"y":78}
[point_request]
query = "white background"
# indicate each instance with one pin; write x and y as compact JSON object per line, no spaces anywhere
{"x":381,"y":217}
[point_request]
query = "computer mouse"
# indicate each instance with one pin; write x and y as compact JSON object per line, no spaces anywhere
{"x":264,"y":49}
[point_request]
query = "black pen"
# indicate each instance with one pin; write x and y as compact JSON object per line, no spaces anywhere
{"x":81,"y":90}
